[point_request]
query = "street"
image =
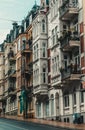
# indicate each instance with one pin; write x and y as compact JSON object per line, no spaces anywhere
{"x":7,"y":124}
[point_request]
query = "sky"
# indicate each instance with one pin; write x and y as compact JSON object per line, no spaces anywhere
{"x":13,"y":10}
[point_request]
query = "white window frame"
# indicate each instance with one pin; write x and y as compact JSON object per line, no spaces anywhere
{"x":66,"y":101}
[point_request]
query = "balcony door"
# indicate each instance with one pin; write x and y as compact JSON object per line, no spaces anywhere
{"x":77,"y":60}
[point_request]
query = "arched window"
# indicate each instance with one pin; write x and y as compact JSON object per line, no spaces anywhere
{"x":43,"y":25}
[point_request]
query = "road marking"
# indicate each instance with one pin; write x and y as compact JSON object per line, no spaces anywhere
{"x":14,"y":126}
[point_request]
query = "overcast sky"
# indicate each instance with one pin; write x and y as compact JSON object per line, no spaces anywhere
{"x":13,"y":10}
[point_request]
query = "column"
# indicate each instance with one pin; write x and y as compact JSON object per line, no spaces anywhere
{"x":42,"y":111}
{"x":49,"y":108}
{"x":71,"y":103}
{"x":55,"y":106}
{"x":61,"y":103}
{"x":78,"y":101}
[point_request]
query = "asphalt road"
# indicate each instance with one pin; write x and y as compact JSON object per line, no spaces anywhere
{"x":7,"y":124}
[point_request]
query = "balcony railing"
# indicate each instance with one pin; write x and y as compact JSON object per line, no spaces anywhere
{"x":69,"y":41}
{"x":12,"y":90}
{"x":38,"y":90}
{"x":72,"y":72}
{"x":68,"y":10}
{"x":27,"y":69}
{"x":25,"y":48}
{"x":12,"y":73}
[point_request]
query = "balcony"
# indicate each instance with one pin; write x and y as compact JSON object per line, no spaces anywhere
{"x":12,"y":98}
{"x":25,"y":48}
{"x":40,"y":90}
{"x":27,"y":69}
{"x":72,"y":72}
{"x":12,"y":73}
{"x":68,"y":42}
{"x":41,"y":93}
{"x":11,"y":55}
{"x":68,"y":10}
{"x":11,"y":91}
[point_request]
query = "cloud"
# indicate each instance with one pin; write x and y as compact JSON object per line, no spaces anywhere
{"x":3,"y":33}
{"x":12,"y":10}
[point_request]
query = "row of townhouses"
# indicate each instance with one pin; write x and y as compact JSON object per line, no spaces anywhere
{"x":42,"y":63}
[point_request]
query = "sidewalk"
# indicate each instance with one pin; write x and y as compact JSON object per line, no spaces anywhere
{"x":52,"y":123}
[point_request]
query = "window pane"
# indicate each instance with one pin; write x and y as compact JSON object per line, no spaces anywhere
{"x":82,"y":97}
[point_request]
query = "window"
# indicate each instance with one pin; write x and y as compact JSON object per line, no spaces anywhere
{"x":54,"y":8}
{"x":36,"y":76}
{"x":38,"y":107}
{"x":58,"y":61}
{"x":35,"y":51}
{"x":64,"y":27}
{"x":44,"y":50}
{"x":55,"y":64}
{"x":44,"y":75}
{"x":52,"y":104}
{"x":74,"y":98}
{"x":53,"y":37}
{"x":82,"y":97}
{"x":65,"y":62}
{"x":53,"y":68}
{"x":68,"y":120}
{"x":47,"y":108}
{"x":66,"y":100}
{"x":56,"y":35}
{"x":56,"y":68}
{"x":77,"y":60}
{"x":64,"y":119}
{"x":43,"y":25}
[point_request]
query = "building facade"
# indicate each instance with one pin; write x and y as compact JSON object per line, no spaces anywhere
{"x":42,"y":63}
